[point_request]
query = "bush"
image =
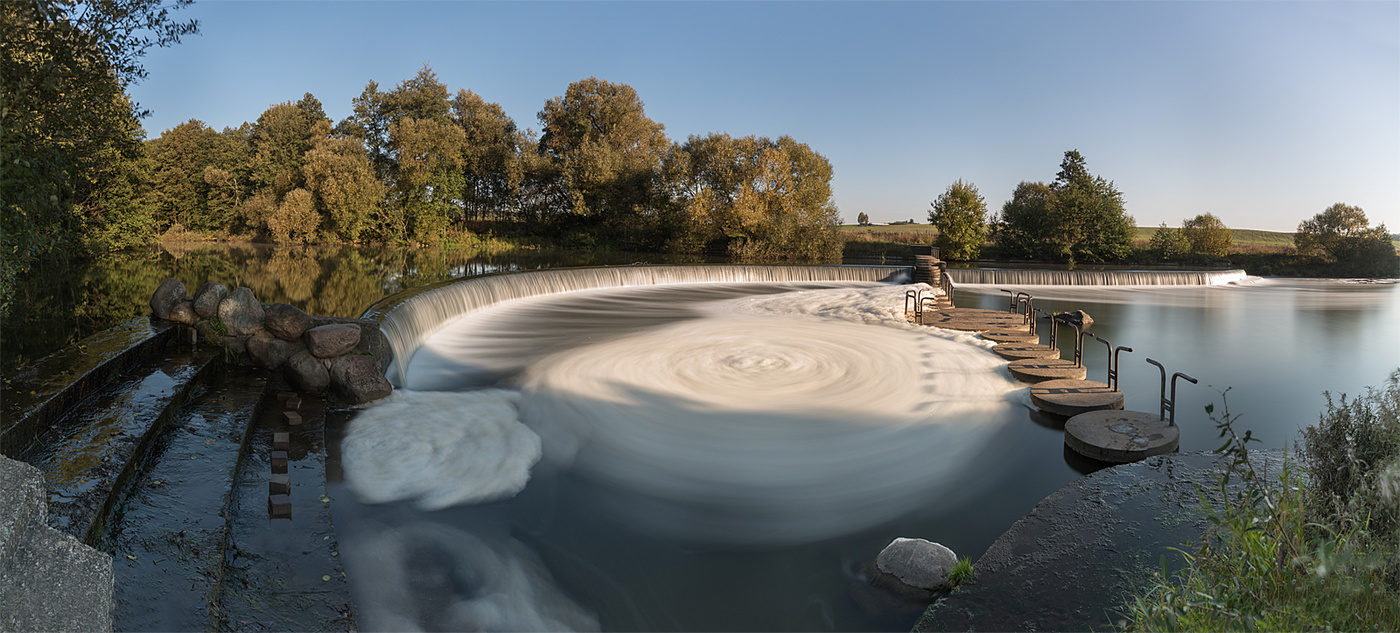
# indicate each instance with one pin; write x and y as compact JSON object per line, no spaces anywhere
{"x":1207,"y":234}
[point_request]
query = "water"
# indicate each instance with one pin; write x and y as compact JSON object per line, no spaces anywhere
{"x":730,"y":457}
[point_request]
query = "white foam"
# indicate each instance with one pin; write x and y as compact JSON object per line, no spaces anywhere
{"x":439,"y":448}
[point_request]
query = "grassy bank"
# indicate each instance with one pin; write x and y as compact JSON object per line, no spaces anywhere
{"x":1316,"y":549}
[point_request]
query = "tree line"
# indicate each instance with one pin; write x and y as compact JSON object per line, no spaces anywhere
{"x":1080,"y":217}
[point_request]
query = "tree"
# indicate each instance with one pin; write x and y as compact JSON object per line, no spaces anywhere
{"x":1342,"y":234}
{"x":64,"y":65}
{"x":959,"y":214}
{"x":429,"y":183}
{"x":1077,"y":217}
{"x":1207,"y":234}
{"x":338,"y":173}
{"x":492,"y":166}
{"x":862,"y":219}
{"x":608,"y":155}
{"x":1169,"y":244}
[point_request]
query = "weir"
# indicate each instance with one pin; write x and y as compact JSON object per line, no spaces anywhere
{"x":1026,"y":277}
{"x":409,"y":319}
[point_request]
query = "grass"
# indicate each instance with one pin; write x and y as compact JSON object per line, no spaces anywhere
{"x":1316,"y":548}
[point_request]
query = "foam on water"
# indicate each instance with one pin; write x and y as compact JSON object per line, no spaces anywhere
{"x":439,"y":448}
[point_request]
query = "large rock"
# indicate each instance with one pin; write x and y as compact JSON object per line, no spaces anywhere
{"x":1077,"y":317}
{"x":241,"y":313}
{"x":208,"y":297}
{"x":183,"y":312}
{"x":917,"y":563}
{"x":270,"y":353}
{"x":358,"y":378}
{"x":306,"y":372}
{"x":286,"y":322}
{"x":372,"y":338}
{"x":328,"y":341}
{"x":165,"y":298}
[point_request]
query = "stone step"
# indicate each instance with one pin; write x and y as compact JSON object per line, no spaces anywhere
{"x":89,"y":453}
{"x":49,"y":581}
{"x":38,"y":395}
{"x":166,"y":532}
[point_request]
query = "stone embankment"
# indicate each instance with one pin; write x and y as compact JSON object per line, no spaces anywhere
{"x":347,"y":356}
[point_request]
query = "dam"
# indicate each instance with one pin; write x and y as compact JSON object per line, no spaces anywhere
{"x":669,"y":444}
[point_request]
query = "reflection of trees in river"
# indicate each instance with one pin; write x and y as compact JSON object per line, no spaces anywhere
{"x":64,"y":301}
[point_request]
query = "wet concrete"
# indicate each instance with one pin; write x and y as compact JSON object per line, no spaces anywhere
{"x":166,"y":533}
{"x":92,"y":452}
{"x":35,"y":397}
{"x":1083,"y":551}
{"x":282,"y":571}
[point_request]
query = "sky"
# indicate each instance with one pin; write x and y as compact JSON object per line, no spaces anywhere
{"x":1262,"y":113}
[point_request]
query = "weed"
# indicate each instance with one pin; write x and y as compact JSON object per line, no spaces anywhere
{"x":960,"y":573}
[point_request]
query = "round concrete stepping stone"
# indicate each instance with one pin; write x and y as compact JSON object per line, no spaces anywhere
{"x":1073,"y":397}
{"x":1119,"y":437}
{"x":974,"y":320}
{"x":1042,"y":369}
{"x":1009,"y":335}
{"x":1020,"y":351}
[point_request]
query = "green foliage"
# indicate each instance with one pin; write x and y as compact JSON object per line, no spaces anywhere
{"x":1318,"y":551}
{"x":1168,"y":244}
{"x":960,"y":216}
{"x":1342,"y":234}
{"x":295,"y":219}
{"x":862,"y":218}
{"x":1207,"y":234}
{"x":961,"y":572}
{"x":1077,"y":218}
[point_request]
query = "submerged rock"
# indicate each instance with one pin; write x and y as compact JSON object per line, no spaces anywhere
{"x":208,"y":297}
{"x":165,"y":298}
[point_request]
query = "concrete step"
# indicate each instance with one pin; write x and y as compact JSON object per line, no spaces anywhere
{"x":167,"y":530}
{"x":89,"y":453}
{"x":49,"y":581}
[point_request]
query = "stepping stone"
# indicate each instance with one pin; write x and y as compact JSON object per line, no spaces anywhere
{"x":1042,"y":369}
{"x":1073,"y":397}
{"x":1120,"y":437}
{"x":1010,"y":335}
{"x":1020,"y":351}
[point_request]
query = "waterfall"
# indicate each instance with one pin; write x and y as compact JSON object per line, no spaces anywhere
{"x":1025,"y":277}
{"x":410,"y":318}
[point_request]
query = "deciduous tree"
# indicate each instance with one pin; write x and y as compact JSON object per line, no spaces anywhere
{"x":959,"y":214}
{"x":1342,"y":234}
{"x":1168,"y":244}
{"x":1207,"y":234}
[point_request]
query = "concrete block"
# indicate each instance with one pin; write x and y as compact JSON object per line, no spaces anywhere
{"x":293,"y":403}
{"x":281,"y":440}
{"x":279,"y":462}
{"x":293,"y":418}
{"x":280,"y":485}
{"x":279,"y":506}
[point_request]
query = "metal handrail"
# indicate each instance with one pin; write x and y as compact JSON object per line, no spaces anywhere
{"x":1112,"y":359}
{"x":1169,"y":406}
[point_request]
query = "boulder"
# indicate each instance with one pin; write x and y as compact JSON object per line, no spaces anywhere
{"x":358,"y":378}
{"x":170,"y":293}
{"x":269,"y":352}
{"x":372,"y":339}
{"x":208,"y":297}
{"x":332,"y":340}
{"x":286,"y":322}
{"x":306,"y":373}
{"x":236,"y":344}
{"x":917,"y":564}
{"x":183,"y":312}
{"x":241,"y":313}
{"x":1077,"y":317}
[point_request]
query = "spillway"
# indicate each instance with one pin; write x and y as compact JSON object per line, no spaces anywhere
{"x":1024,"y":277}
{"x":410,"y":318}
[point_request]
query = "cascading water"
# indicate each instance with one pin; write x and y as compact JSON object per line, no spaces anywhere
{"x":1021,"y":277}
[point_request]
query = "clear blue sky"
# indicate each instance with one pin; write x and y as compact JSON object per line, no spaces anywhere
{"x":1263,"y":113}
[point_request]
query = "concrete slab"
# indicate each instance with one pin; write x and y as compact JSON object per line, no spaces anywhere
{"x":1073,"y":397}
{"x":1021,"y":351}
{"x":974,"y":320}
{"x":1035,"y":370}
{"x":1010,"y":335}
{"x":1120,"y":437}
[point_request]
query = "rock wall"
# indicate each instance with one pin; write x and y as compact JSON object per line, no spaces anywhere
{"x":346,"y":356}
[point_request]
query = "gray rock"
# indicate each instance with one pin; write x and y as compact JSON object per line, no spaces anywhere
{"x":358,"y":379}
{"x":1077,"y":317}
{"x":183,"y":312}
{"x":269,"y":352}
{"x":374,"y":343}
{"x":917,"y":563}
{"x":306,"y":373}
{"x":170,"y":293}
{"x":236,"y":344}
{"x":336,"y":339}
{"x":286,"y":322}
{"x":241,"y":313}
{"x":208,"y":297}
